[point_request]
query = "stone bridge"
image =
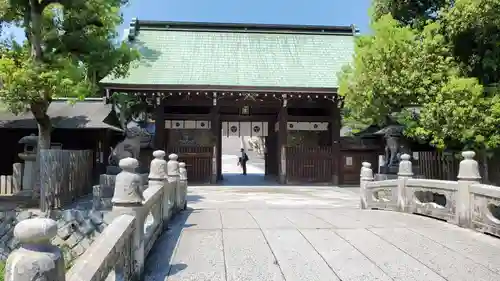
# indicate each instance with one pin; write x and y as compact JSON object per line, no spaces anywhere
{"x":294,"y":233}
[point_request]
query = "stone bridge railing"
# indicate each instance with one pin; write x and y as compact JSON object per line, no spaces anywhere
{"x":465,"y":202}
{"x":120,"y":250}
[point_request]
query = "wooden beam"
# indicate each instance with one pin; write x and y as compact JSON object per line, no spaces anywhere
{"x":309,"y":118}
{"x":255,"y":118}
{"x":181,"y":116}
{"x":251,"y":103}
{"x":216,"y":131}
{"x":214,"y":88}
{"x":282,"y":140}
{"x":335,"y":127}
{"x":159,"y":141}
{"x":196,"y":102}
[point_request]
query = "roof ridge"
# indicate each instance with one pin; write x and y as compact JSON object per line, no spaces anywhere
{"x":136,"y":26}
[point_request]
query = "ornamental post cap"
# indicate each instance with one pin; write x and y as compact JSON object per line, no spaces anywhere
{"x":405,"y":157}
{"x":128,"y":163}
{"x":35,"y":230}
{"x":468,"y":155}
{"x":160,"y":154}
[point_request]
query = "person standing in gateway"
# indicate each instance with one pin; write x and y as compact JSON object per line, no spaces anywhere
{"x":242,"y":161}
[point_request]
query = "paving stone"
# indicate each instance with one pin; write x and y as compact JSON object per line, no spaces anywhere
{"x":86,"y":227}
{"x":442,"y":260}
{"x":65,"y":231}
{"x":4,"y":228}
{"x":96,"y":217}
{"x":237,"y":219}
{"x":77,"y":250}
{"x":67,"y":221}
{"x":338,"y":219}
{"x":85,"y":243}
{"x":7,"y":235}
{"x":73,"y":239}
{"x":347,"y":262}
{"x":270,"y":220}
{"x":204,"y":219}
{"x":68,"y":215}
{"x":160,"y":257}
{"x":57,"y":241}
{"x":80,"y":215}
{"x":24,"y":215}
{"x":4,"y":251}
{"x":199,"y":257}
{"x":480,"y":248}
{"x":248,"y":256}
{"x":394,"y":262}
{"x":304,"y":220}
{"x":296,"y":257}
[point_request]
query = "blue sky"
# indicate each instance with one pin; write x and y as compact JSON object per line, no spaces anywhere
{"x":313,"y":12}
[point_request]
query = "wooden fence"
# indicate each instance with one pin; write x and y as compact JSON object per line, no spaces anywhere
{"x":65,"y":175}
{"x":11,"y":184}
{"x":309,"y":164}
{"x":198,"y":161}
{"x":444,"y":166}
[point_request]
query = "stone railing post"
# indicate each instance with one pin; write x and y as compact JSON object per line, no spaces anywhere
{"x":366,"y":177}
{"x":405,"y":172}
{"x":468,"y":174}
{"x":128,"y":199}
{"x":158,"y":177}
{"x":183,"y":182}
{"x":37,"y":258}
{"x":173,"y":179}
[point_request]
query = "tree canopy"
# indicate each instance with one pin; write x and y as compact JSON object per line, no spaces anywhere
{"x":414,"y":12}
{"x":70,"y":45}
{"x":437,"y":77}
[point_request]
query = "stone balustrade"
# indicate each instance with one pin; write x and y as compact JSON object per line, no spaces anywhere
{"x":465,"y":202}
{"x":119,"y":252}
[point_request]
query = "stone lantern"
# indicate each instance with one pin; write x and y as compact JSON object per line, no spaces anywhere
{"x":29,"y":157}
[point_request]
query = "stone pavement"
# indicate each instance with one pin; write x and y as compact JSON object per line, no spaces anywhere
{"x":312,"y":233}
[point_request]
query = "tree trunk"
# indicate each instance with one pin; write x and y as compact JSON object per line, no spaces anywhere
{"x":39,"y":111}
{"x":39,"y":107}
{"x":36,"y":30}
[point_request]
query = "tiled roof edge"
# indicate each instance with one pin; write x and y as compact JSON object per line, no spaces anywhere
{"x":136,"y":25}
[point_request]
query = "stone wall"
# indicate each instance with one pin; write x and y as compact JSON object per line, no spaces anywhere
{"x":77,"y":229}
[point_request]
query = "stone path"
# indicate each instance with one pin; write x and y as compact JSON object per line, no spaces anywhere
{"x":229,"y":166}
{"x":312,"y":233}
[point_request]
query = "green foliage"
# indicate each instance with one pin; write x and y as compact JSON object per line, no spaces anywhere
{"x":2,"y":270}
{"x":413,"y":13}
{"x":71,"y":45}
{"x":400,"y":68}
{"x":68,"y":258}
{"x":128,"y":107}
{"x":88,"y":34}
{"x":472,"y":29}
{"x":26,"y":82}
{"x":394,"y":68}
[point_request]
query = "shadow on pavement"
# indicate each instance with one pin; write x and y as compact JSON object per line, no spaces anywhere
{"x":248,"y":180}
{"x":157,"y":264}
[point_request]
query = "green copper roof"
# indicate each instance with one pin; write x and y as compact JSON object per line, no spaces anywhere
{"x":237,"y":55}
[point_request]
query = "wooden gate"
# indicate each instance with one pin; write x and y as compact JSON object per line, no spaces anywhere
{"x":309,"y":164}
{"x":350,"y":165}
{"x":198,"y":161}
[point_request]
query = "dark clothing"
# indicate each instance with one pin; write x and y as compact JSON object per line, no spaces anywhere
{"x":244,"y":167}
{"x":243,"y":162}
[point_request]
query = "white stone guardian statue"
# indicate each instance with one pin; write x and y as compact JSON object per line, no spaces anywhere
{"x":173,"y":178}
{"x":128,"y":184}
{"x":183,"y":186}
